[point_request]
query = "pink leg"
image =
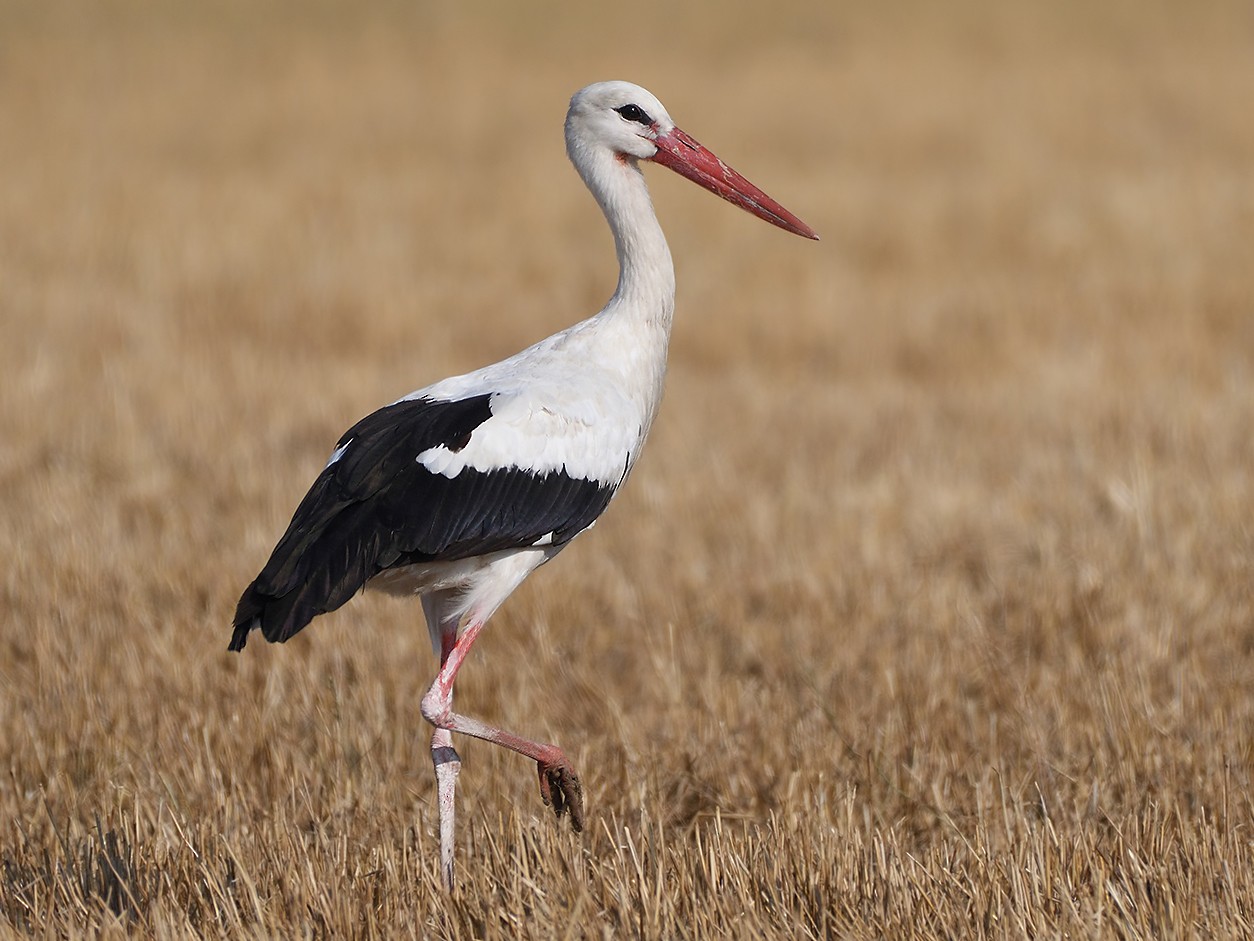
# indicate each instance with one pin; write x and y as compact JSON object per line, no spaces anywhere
{"x":447,"y":766}
{"x":559,"y":785}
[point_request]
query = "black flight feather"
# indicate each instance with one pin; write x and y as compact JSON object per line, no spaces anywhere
{"x":376,"y":508}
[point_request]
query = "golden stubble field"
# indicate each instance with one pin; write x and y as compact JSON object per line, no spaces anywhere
{"x":929,"y":612}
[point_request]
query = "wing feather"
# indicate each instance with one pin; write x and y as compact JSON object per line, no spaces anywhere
{"x":378,"y":505}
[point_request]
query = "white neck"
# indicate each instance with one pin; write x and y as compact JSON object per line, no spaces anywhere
{"x":646,"y":279}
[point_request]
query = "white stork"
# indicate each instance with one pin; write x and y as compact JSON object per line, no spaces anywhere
{"x":458,"y":491}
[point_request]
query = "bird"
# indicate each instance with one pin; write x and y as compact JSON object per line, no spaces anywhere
{"x":460,"y":490}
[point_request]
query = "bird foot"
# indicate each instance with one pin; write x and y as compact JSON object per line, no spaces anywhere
{"x":561,"y":790}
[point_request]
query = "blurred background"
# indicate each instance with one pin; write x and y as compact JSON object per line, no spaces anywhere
{"x":948,"y":511}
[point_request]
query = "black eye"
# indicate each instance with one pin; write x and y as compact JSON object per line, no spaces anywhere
{"x":635,"y":113}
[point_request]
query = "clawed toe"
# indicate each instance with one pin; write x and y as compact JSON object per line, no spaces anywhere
{"x":561,"y":790}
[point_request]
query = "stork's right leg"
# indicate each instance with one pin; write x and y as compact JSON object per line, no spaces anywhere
{"x":560,"y":787}
{"x":448,"y":765}
{"x":445,"y":758}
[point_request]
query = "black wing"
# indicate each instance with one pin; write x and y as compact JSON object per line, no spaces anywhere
{"x":376,"y":508}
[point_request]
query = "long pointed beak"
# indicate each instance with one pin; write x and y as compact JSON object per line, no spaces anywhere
{"x":679,"y":151}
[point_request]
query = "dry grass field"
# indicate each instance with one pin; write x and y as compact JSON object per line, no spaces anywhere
{"x":928,"y":613}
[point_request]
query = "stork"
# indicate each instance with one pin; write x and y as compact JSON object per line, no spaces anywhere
{"x":460,"y":490}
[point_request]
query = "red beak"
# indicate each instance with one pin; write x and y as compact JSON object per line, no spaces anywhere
{"x":678,"y":150}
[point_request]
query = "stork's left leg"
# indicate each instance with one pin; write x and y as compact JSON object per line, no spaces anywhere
{"x":559,"y":784}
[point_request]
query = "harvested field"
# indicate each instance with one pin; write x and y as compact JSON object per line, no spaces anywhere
{"x":928,"y":612}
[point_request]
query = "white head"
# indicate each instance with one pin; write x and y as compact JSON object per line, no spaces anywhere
{"x":620,"y":116}
{"x":626,"y":122}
